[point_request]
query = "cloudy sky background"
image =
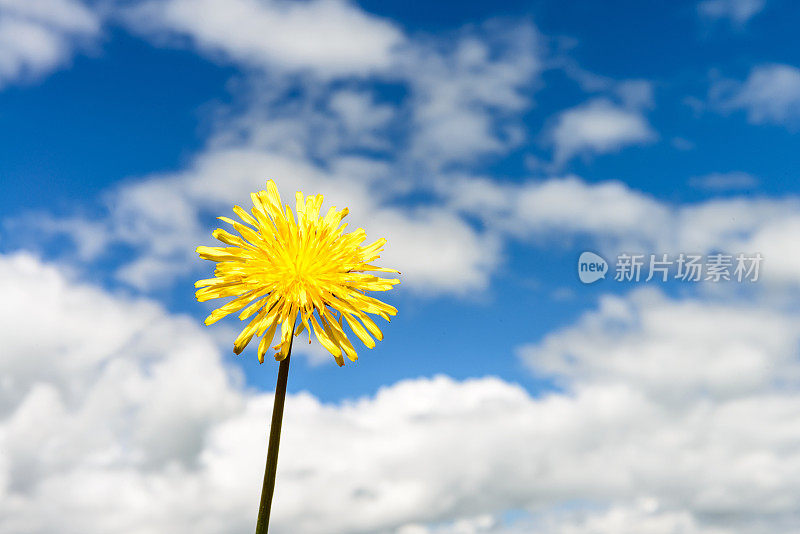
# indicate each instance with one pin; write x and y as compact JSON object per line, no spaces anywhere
{"x":491,"y":144}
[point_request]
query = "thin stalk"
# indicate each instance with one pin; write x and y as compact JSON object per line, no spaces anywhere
{"x":268,"y":489}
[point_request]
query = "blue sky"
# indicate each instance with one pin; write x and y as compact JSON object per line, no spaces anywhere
{"x":491,"y":143}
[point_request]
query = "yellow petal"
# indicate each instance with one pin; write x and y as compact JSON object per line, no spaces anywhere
{"x":359,"y":330}
{"x":246,"y":217}
{"x":266,"y":341}
{"x":324,"y":340}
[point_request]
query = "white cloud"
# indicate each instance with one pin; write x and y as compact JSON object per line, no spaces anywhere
{"x":770,"y":94}
{"x":361,"y":118}
{"x":327,"y":37}
{"x":437,"y":251}
{"x":613,"y":118}
{"x":97,"y":391}
{"x":736,"y":11}
{"x":677,"y":351}
{"x":679,"y":416}
{"x":724,"y":181}
{"x":636,"y":94}
{"x":774,"y":240}
{"x":632,"y":93}
{"x":69,"y":15}
{"x":38,"y":37}
{"x":598,"y":127}
{"x":608,"y":211}
{"x":572,"y":205}
{"x":618,"y":218}
{"x":721,"y":366}
{"x":467,"y":94}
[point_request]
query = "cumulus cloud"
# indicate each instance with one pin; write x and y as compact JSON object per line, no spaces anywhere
{"x":770,"y":94}
{"x":326,"y":37}
{"x":38,"y":37}
{"x":560,"y":205}
{"x":468,"y":92}
{"x":722,"y":365}
{"x":677,"y":351}
{"x":97,"y":391}
{"x":738,"y":12}
{"x":675,"y":416}
{"x":597,"y":127}
{"x":618,"y":218}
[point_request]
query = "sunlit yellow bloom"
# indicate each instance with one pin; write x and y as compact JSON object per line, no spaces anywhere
{"x":279,"y":268}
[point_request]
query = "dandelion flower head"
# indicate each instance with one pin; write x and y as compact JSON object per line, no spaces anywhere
{"x":279,"y":269}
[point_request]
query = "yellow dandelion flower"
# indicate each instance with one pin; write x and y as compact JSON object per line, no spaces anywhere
{"x":279,"y":268}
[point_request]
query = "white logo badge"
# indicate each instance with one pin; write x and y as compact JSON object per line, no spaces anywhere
{"x":591,"y":267}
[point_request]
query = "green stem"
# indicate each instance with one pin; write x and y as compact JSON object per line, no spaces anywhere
{"x":268,"y":489}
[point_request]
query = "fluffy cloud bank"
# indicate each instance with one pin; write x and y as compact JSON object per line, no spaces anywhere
{"x":677,"y":416}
